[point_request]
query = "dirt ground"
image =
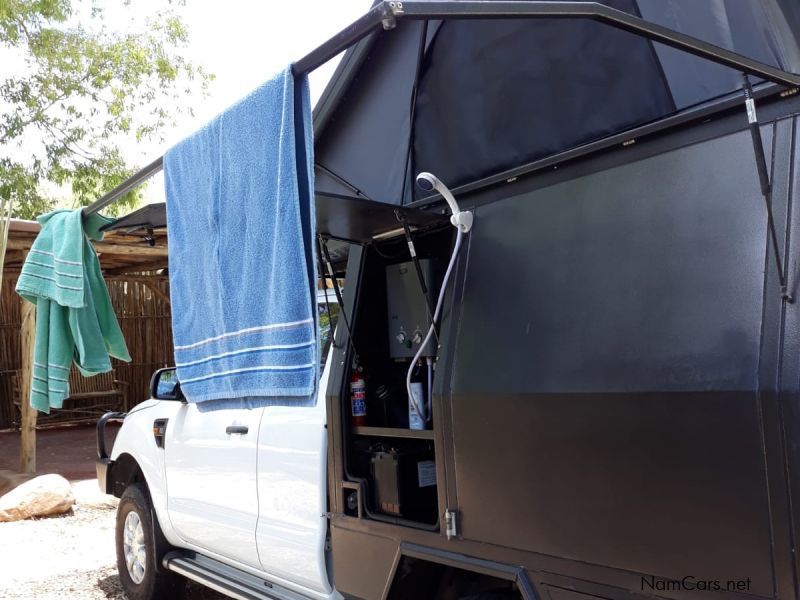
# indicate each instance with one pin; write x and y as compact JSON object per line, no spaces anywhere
{"x":68,"y":451}
{"x":70,"y":557}
{"x":65,"y":558}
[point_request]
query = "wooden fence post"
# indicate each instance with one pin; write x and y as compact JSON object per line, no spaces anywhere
{"x":27,"y":452}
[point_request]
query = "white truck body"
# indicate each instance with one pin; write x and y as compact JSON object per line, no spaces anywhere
{"x":255,"y":501}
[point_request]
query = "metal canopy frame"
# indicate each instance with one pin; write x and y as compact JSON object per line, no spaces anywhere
{"x":387,"y":13}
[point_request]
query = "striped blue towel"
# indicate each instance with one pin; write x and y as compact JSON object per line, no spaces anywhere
{"x":240,"y":218}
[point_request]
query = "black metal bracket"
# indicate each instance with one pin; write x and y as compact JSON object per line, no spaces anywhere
{"x":328,"y":264}
{"x":764,"y":180}
{"x":412,"y":250}
{"x":389,"y":13}
{"x":102,"y":454}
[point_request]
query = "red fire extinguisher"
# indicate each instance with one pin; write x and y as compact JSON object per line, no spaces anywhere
{"x":358,"y":398}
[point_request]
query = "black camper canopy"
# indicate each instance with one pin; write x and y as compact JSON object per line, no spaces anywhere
{"x":468,"y":99}
{"x":479,"y":91}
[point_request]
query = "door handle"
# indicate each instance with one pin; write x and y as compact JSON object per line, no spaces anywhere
{"x":236,"y":429}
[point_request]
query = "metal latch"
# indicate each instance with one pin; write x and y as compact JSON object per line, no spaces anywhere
{"x":451,"y":523}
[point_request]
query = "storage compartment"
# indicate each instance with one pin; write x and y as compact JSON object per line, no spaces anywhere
{"x":390,"y":450}
{"x":400,"y":478}
{"x":404,"y":480}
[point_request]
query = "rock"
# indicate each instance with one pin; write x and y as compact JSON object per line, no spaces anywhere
{"x":87,"y":493}
{"x":40,"y":497}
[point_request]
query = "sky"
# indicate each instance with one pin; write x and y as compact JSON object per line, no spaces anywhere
{"x":242,"y":42}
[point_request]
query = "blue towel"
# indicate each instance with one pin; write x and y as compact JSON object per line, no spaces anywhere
{"x":240,"y":218}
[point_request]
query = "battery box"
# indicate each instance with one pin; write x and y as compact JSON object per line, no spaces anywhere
{"x":405,"y":484}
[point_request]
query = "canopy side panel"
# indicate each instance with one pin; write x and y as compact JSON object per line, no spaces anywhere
{"x":759,"y":30}
{"x":497,"y":94}
{"x":366,"y":141}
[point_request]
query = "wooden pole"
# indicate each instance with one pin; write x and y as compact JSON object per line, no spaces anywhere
{"x":27,"y":452}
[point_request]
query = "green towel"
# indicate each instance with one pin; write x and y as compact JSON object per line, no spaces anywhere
{"x":74,"y":317}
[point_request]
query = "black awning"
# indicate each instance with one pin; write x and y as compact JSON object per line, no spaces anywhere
{"x":339,"y":217}
{"x":151,"y":216}
{"x":357,"y":220}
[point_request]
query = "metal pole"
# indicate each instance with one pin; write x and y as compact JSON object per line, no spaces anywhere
{"x":386,"y":14}
{"x":379,"y":15}
{"x":126,"y":186}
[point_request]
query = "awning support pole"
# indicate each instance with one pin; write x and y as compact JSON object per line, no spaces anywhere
{"x":763,"y":177}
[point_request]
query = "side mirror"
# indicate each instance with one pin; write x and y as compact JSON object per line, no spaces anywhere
{"x":165,"y":385}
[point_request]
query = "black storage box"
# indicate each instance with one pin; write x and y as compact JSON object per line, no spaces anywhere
{"x":405,"y":484}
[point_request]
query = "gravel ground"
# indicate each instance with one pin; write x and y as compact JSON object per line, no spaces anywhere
{"x":65,"y":558}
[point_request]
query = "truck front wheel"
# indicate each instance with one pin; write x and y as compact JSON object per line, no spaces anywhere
{"x":136,"y":552}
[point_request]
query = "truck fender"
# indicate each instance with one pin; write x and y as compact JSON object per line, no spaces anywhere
{"x":136,"y":451}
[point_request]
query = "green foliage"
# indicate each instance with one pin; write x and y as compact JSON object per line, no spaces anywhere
{"x":80,"y":89}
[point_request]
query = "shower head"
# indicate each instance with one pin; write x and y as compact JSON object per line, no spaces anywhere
{"x":428,"y":182}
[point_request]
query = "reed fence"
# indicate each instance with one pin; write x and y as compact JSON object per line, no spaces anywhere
{"x":142,"y":307}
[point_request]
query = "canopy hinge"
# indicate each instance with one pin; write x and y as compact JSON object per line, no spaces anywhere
{"x":389,"y":13}
{"x":763,"y":177}
{"x":451,"y":523}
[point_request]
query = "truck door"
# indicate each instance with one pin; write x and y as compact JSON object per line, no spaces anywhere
{"x":292,"y":491}
{"x":211,"y":479}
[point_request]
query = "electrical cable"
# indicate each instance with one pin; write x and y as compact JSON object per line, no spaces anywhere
{"x":462,"y":221}
{"x":423,"y":414}
{"x":383,"y":255}
{"x":420,"y":276}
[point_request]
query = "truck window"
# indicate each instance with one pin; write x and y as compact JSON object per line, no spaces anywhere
{"x":327,"y":324}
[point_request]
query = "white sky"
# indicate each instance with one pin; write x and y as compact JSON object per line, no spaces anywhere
{"x":242,"y":42}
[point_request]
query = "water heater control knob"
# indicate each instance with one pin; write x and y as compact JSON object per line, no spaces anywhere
{"x":417,"y":337}
{"x":401,"y":337}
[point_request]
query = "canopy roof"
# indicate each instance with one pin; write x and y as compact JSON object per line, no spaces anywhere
{"x":468,"y":99}
{"x":481,"y":91}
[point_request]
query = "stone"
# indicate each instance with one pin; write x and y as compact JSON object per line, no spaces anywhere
{"x":42,"y":496}
{"x":87,"y":493}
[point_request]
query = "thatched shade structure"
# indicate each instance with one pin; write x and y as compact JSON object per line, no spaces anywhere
{"x":134,"y":265}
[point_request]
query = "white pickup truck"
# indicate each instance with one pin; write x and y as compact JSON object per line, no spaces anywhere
{"x":234,"y":498}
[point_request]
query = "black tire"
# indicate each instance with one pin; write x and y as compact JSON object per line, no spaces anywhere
{"x":153,"y":582}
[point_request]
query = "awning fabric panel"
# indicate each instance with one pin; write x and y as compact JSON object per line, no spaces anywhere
{"x":494,"y":95}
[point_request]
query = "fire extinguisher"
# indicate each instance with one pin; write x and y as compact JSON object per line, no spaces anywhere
{"x":358,"y":398}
